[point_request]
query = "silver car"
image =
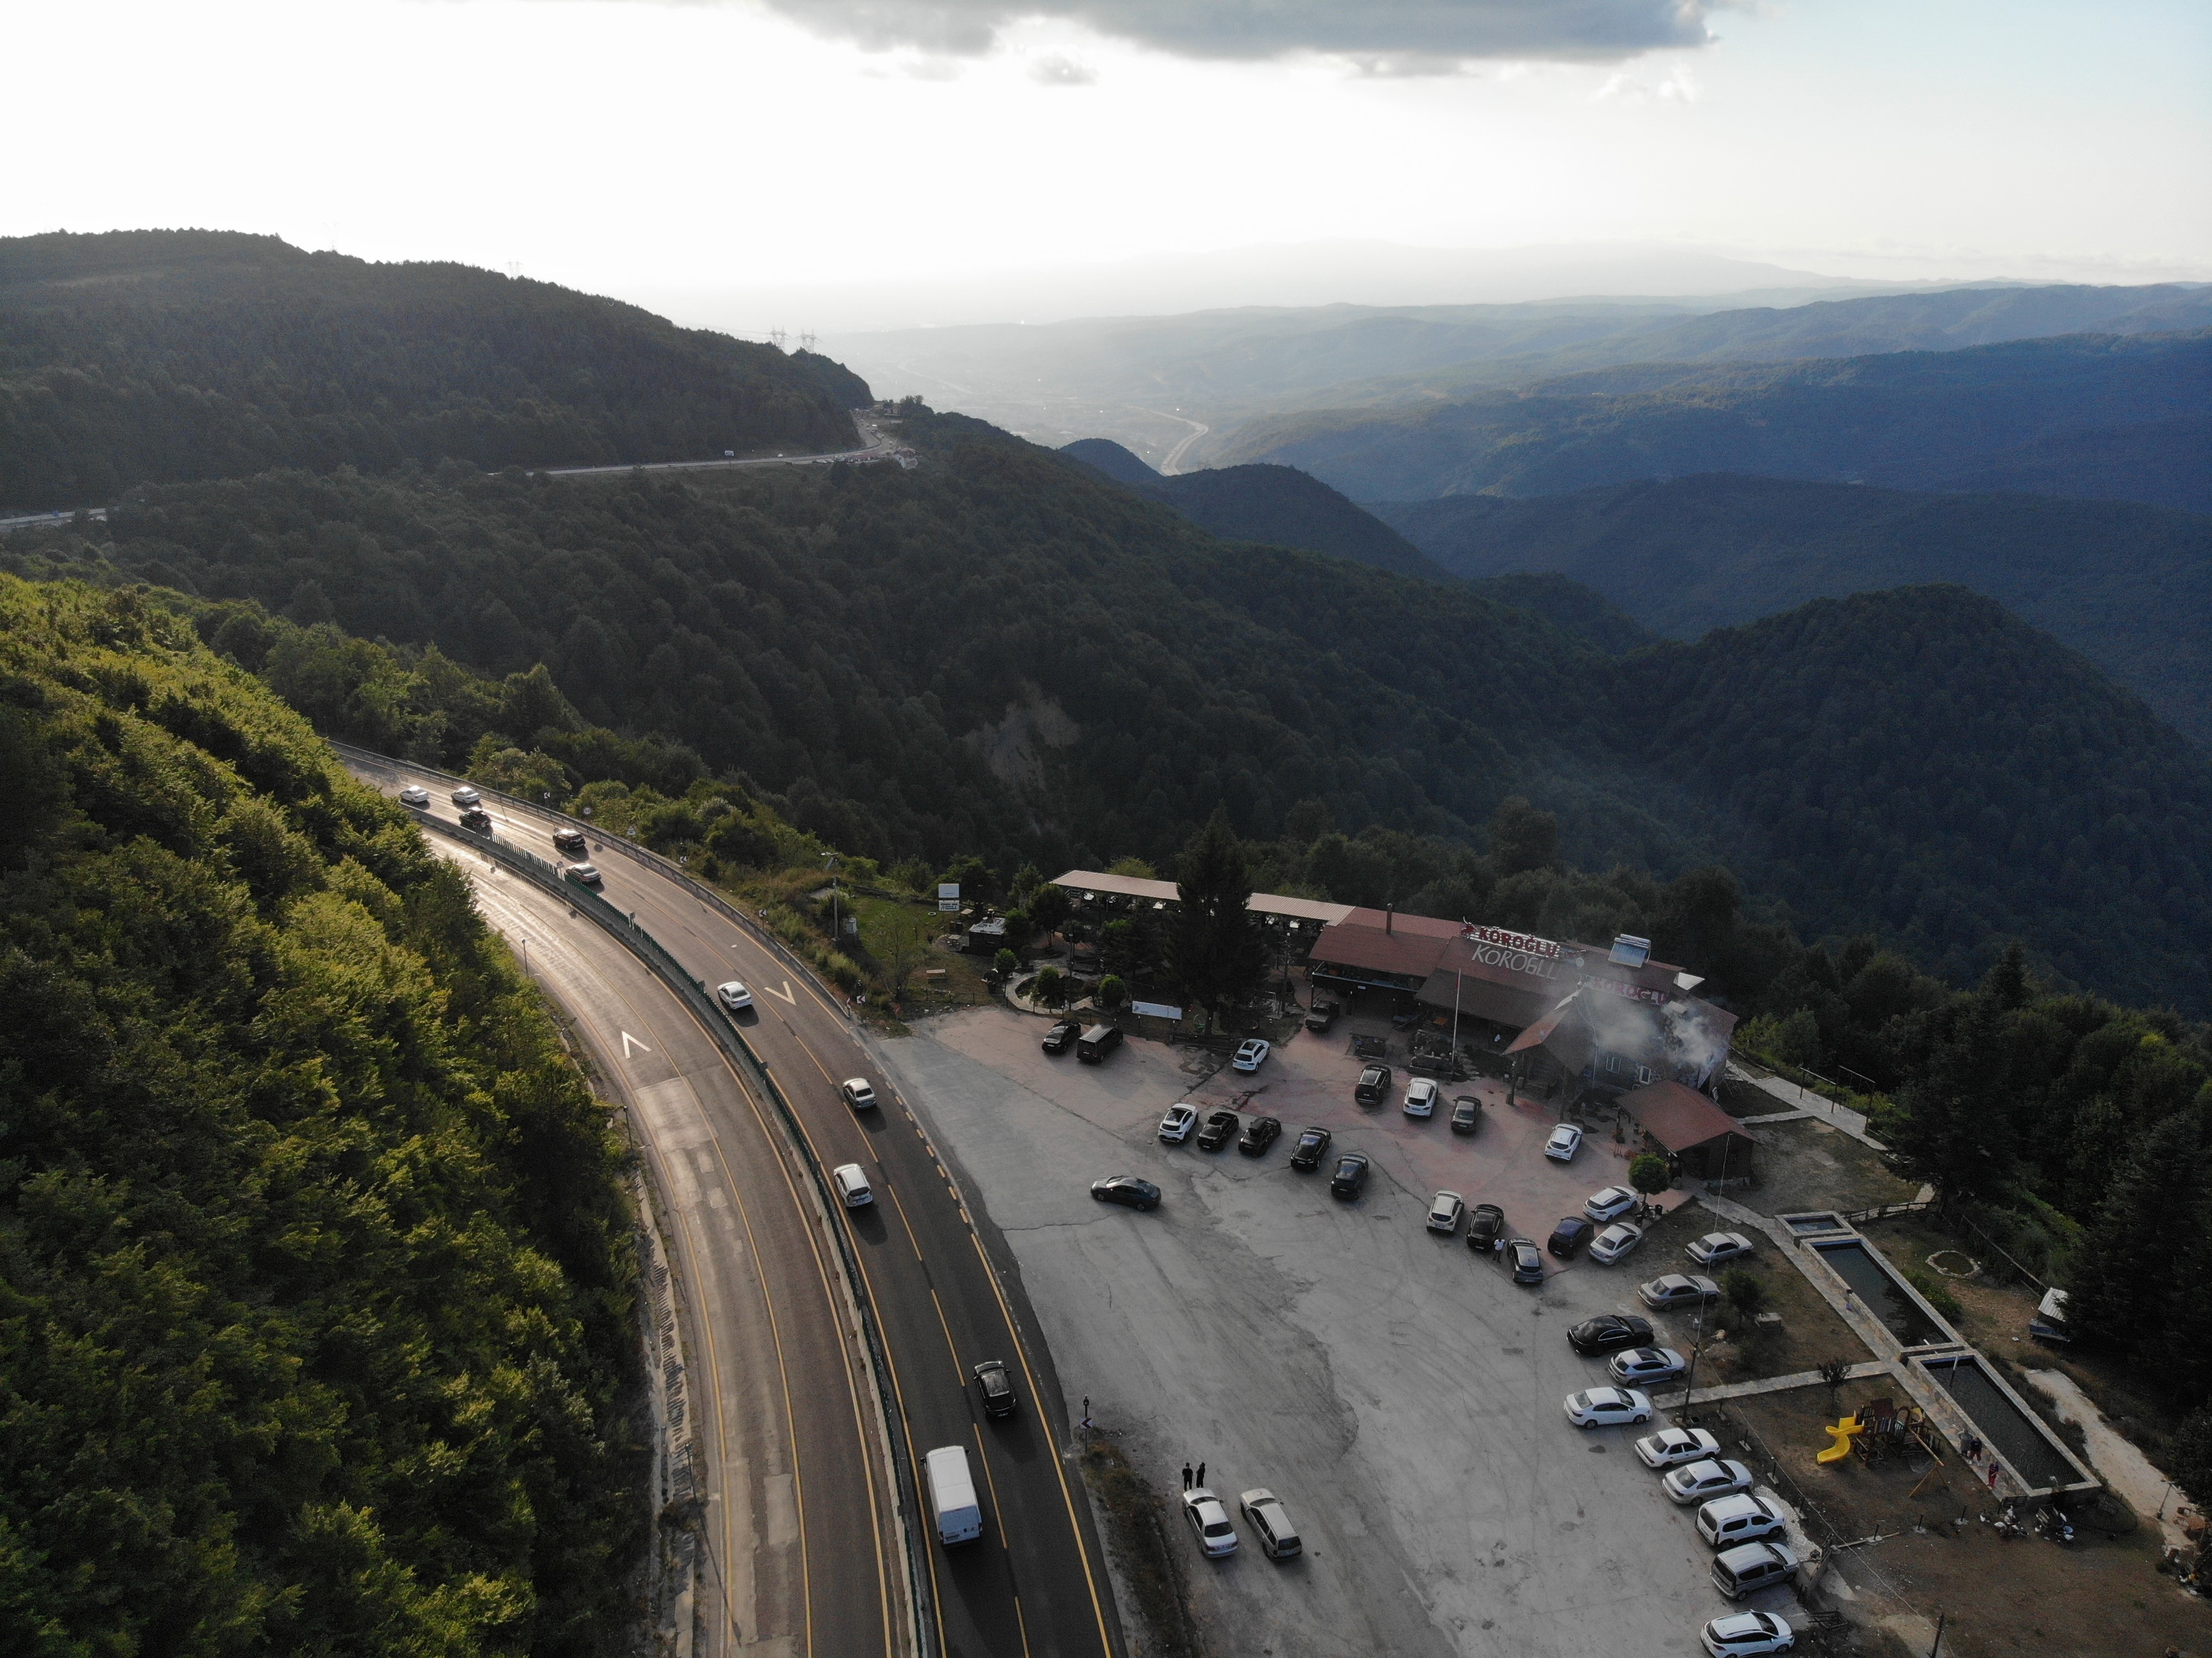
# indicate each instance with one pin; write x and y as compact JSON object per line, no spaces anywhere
{"x":1209,"y":1520}
{"x":1701,"y":1481}
{"x":1444,"y":1211}
{"x":1263,"y":1510}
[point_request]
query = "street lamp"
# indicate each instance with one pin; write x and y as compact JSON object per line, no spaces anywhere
{"x":1690,"y":1382}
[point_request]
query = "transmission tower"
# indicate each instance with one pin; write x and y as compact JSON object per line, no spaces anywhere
{"x":806,"y":341}
{"x":777,"y":337}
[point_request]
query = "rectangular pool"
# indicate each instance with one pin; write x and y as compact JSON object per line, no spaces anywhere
{"x":2018,"y":1438}
{"x":1885,"y":1296}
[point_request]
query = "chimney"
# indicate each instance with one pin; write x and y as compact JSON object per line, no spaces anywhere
{"x":1386,"y":913}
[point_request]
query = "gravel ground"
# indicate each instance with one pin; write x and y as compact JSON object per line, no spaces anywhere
{"x":1403,"y":1397}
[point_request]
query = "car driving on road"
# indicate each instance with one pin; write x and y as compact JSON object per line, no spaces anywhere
{"x":414,"y":795}
{"x":477,"y":818}
{"x":1209,"y":1522}
{"x":1350,"y":1176}
{"x":1176,"y":1127}
{"x":994,"y":1387}
{"x":859,"y":1093}
{"x":1259,"y":1134}
{"x":1312,"y":1146}
{"x":734,"y":996}
{"x":1606,"y":1407}
{"x":1128,"y":1191}
{"x":1250,"y":1054}
{"x":1218,"y":1128}
{"x":466,"y":796}
{"x":1566,"y":1139}
{"x":570,"y":842}
{"x":584,"y":875}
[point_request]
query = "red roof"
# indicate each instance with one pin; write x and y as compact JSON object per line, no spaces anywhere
{"x":1679,"y":1118}
{"x":1411,"y":944}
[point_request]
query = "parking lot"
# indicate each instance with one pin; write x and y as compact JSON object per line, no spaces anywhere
{"x":1401,"y":1395}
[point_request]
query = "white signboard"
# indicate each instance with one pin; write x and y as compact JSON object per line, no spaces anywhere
{"x":1156,"y":1010}
{"x":948,"y":897}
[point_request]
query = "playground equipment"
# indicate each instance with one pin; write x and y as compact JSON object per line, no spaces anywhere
{"x":1840,"y":1437}
{"x":1878,"y":1430}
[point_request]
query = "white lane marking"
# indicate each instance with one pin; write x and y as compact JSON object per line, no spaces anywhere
{"x":630,"y":1042}
{"x":785,"y":993}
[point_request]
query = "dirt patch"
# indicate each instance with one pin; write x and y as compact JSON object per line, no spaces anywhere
{"x":1137,"y":1533}
{"x":1811,"y":1164}
{"x":1936,"y":1553}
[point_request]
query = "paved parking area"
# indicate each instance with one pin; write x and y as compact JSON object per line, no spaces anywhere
{"x":1400,"y":1394}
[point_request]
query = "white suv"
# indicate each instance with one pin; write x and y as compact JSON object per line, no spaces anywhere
{"x":1420,"y":1098}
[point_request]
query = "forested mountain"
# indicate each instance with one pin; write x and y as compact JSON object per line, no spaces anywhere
{"x":996,"y":653}
{"x":1279,"y":505}
{"x":141,"y":357}
{"x":315,"y":1247}
{"x":1121,"y":376}
{"x":2127,"y":585}
{"x":1908,"y":419}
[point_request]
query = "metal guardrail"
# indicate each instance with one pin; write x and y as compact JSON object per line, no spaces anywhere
{"x":695,"y":995}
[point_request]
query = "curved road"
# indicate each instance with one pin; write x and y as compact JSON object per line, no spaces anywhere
{"x":1035,"y":1584}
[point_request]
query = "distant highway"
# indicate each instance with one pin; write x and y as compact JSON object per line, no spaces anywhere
{"x":1036,"y":1584}
{"x":1173,"y":464}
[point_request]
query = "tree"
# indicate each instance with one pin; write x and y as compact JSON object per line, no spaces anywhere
{"x":1648,"y":1174}
{"x":978,"y":886}
{"x":1523,"y":838}
{"x":1006,"y":963}
{"x":1048,"y":907}
{"x":1744,"y":1295}
{"x":1120,"y":947}
{"x":1050,"y":989}
{"x":2189,"y":1455}
{"x":1111,"y":993}
{"x":1215,"y":952}
{"x":1136,"y":868}
{"x":2111,"y":1301}
{"x":1951,"y":1124}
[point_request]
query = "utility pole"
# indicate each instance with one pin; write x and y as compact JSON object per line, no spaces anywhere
{"x":1938,"y":1647}
{"x":1690,"y":1383}
{"x":829,"y":863}
{"x":1459,"y":980}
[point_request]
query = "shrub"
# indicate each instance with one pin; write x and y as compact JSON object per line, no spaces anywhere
{"x":1050,"y":989}
{"x":1111,"y":990}
{"x":1745,"y":1294}
{"x":1932,"y":1291}
{"x":1006,"y":963}
{"x":1650,"y":1175}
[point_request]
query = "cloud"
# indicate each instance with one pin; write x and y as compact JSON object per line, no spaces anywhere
{"x":1395,"y":35}
{"x":1678,"y":87}
{"x":1058,"y":71}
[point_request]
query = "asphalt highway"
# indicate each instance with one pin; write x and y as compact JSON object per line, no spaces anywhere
{"x":1035,"y":1584}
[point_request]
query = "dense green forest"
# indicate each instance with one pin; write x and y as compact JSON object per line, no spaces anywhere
{"x":1907,"y":419}
{"x":2128,"y":586}
{"x":314,"y":1248}
{"x":998,"y":654}
{"x":1279,"y":505}
{"x":139,"y":356}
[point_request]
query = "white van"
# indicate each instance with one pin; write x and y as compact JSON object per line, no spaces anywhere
{"x":852,"y":1183}
{"x":1738,"y":1518}
{"x":952,"y":1496}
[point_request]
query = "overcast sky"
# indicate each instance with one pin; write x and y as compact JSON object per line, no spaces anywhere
{"x":648,"y":148}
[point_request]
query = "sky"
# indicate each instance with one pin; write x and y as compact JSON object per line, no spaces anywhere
{"x":818,"y":151}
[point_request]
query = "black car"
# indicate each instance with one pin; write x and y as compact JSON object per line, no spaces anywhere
{"x":1527,"y":1265}
{"x":1467,"y":1115}
{"x":1127,"y":1190}
{"x":1484,"y":1223}
{"x":1322,"y":1015}
{"x":1374,"y":1085}
{"x":1609,"y":1333}
{"x":1569,"y":1236}
{"x":1218,"y":1128}
{"x":477,"y":818}
{"x":1262,"y":1132}
{"x":570,"y":842}
{"x":1061,"y":1037}
{"x":994,"y":1387}
{"x":1307,"y":1154}
{"x":1351,"y":1175}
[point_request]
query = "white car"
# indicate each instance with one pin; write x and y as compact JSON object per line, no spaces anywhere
{"x":1737,"y":1518}
{"x":1700,"y":1482}
{"x":1679,"y":1289}
{"x":1250,"y":1055}
{"x":1176,"y":1127}
{"x":1616,"y":1241}
{"x":1264,"y":1512}
{"x":1210,"y":1521}
{"x":859,"y":1093}
{"x":1750,"y":1634}
{"x":1646,"y":1365}
{"x":1444,"y":1211}
{"x":1603,"y":1408}
{"x":1420,"y":1097}
{"x":1672,"y":1447}
{"x":464,"y":797}
{"x":1567,"y":1140}
{"x":734,"y":996}
{"x":1608,"y":1203}
{"x":1716,"y":1247}
{"x":414,"y":795}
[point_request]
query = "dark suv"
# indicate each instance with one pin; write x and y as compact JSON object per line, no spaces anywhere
{"x":1374,"y":1085}
{"x":1216,"y":1133}
{"x":1351,"y":1175}
{"x":1568,"y":1237}
{"x":994,"y":1387}
{"x":1259,"y":1135}
{"x":1321,"y":1016}
{"x":1484,"y":1223}
{"x":1061,"y":1037}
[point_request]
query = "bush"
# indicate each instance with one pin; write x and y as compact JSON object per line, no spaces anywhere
{"x":1006,"y":963}
{"x":1111,"y":990}
{"x":1744,"y":1295}
{"x":1650,"y":1175}
{"x":1050,"y":989}
{"x":1932,"y":1291}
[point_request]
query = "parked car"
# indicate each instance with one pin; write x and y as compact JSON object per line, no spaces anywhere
{"x":477,"y":818}
{"x":1739,"y":1517}
{"x":570,"y":842}
{"x":1250,"y":1054}
{"x":1467,"y":1115}
{"x":734,"y":996}
{"x":994,"y":1387}
{"x":1747,"y":1635}
{"x":1176,"y":1127}
{"x":1679,"y":1289}
{"x":1485,"y":1221}
{"x":1616,"y":1241}
{"x":1444,"y":1211}
{"x":1209,"y":1522}
{"x":1699,"y":1482}
{"x":1749,"y":1567}
{"x":1126,"y":1190}
{"x":1672,"y":1447}
{"x":1374,"y":1083}
{"x":1527,"y":1264}
{"x":1608,"y":1333}
{"x":1322,"y":1015}
{"x":1061,"y":1037}
{"x":1646,"y":1365}
{"x":1716,"y":1247}
{"x":1259,"y":1134}
{"x":414,"y":795}
{"x":1220,"y":1128}
{"x":1312,"y":1146}
{"x":1606,"y":1407}
{"x":466,"y":796}
{"x":1608,"y":1203}
{"x":1420,"y":1097}
{"x":1350,"y":1177}
{"x":584,"y":875}
{"x":1568,"y":1236}
{"x":1566,"y":1139}
{"x":859,"y":1093}
{"x":1263,"y":1509}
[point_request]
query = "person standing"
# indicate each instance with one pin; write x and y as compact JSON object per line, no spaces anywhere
{"x":1186,"y":1476}
{"x":1201,"y":1474}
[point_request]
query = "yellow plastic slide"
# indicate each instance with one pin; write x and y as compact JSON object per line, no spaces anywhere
{"x":1842,"y":1433}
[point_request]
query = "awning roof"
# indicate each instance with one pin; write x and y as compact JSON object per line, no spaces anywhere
{"x":1079,"y":881}
{"x":1679,"y":1118}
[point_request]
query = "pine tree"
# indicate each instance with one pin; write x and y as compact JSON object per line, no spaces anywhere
{"x":1214,"y":948}
{"x":2113,"y":1300}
